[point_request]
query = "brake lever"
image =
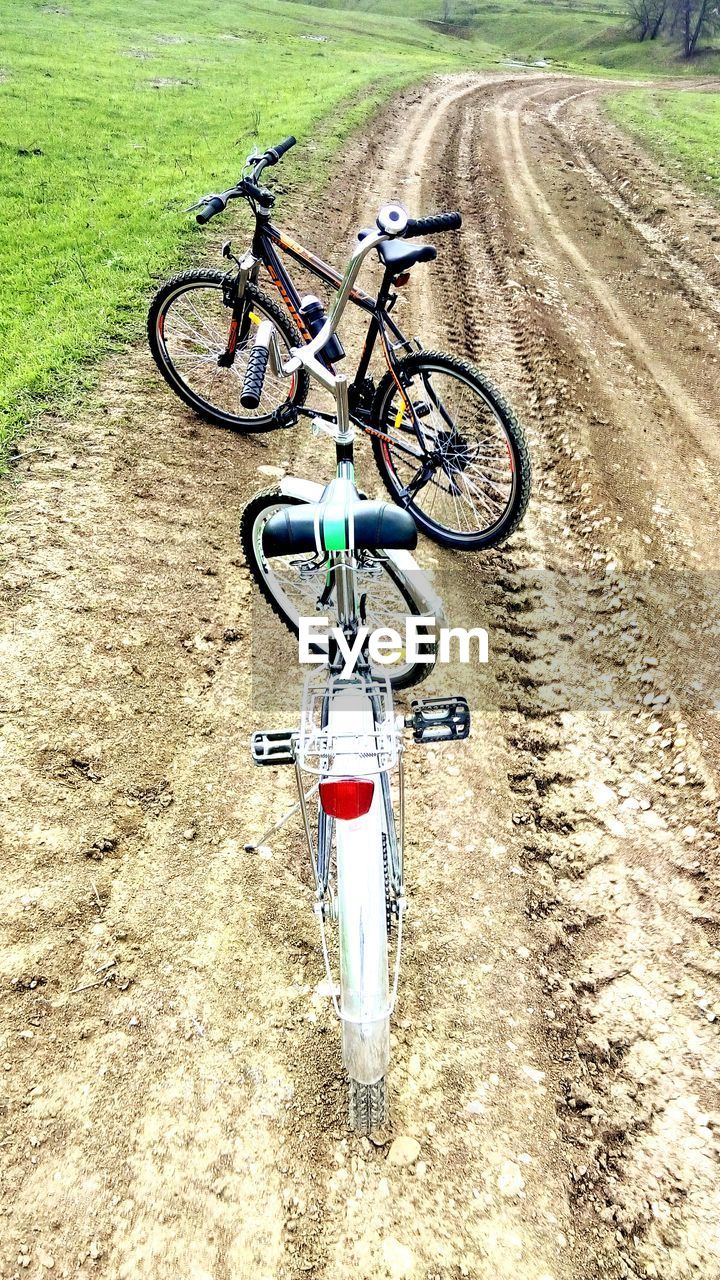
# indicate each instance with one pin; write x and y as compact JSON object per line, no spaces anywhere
{"x":199,"y":204}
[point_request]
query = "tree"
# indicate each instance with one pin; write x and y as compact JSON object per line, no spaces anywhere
{"x":660,"y":7}
{"x":688,"y":19}
{"x":648,"y":16}
{"x":698,"y":18}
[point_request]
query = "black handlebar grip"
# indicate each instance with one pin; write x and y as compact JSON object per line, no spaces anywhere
{"x":254,"y":377}
{"x":433,"y":225}
{"x":216,"y":205}
{"x":275,"y":153}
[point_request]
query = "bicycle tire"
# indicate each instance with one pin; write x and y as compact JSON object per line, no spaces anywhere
{"x":368,"y":1106}
{"x":168,"y":295}
{"x":264,"y":504}
{"x":511,"y":435}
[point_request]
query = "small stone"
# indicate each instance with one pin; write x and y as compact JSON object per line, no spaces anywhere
{"x":46,"y":1259}
{"x":414,"y":1065}
{"x":399,"y":1260}
{"x":615,"y":827}
{"x":404,"y":1151}
{"x":536,"y":1076}
{"x":189,"y":833}
{"x":653,"y":820}
{"x":602,"y":794}
{"x":511,"y":1183}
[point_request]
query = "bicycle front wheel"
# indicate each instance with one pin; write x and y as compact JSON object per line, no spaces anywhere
{"x":454,"y":455}
{"x":293,"y":585}
{"x":188,"y":328}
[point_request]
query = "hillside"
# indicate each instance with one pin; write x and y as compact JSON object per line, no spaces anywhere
{"x":590,"y":36}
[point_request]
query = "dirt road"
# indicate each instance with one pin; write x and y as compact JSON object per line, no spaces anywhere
{"x":173,"y":1102}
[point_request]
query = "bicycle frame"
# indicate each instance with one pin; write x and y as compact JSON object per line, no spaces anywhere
{"x":267,"y":241}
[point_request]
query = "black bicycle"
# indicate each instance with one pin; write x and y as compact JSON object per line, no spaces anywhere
{"x":447,"y":445}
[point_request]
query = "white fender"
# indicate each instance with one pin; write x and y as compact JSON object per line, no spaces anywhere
{"x":364,"y":982}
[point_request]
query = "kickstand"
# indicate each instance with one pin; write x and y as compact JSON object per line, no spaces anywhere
{"x":260,"y":844}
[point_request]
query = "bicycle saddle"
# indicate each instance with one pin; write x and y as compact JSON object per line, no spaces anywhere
{"x":399,"y":255}
{"x":340,"y":521}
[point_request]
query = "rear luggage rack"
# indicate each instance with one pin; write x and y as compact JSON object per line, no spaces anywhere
{"x":374,"y":751}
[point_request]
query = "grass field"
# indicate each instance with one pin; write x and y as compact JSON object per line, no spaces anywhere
{"x":684,"y":127}
{"x":118,"y":115}
{"x":575,"y":34}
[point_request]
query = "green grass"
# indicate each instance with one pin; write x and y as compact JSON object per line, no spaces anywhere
{"x":118,"y":115}
{"x":584,"y":35}
{"x":681,"y":127}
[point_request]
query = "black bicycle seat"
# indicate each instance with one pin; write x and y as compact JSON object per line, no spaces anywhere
{"x":399,"y":255}
{"x":341,"y":521}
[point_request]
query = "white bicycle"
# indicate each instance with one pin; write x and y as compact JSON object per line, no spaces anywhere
{"x":312,"y":551}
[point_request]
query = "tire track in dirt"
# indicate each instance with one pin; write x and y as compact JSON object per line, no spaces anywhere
{"x":163,"y":977}
{"x":625,"y":899}
{"x":555,"y":1049}
{"x":453,"y":1060}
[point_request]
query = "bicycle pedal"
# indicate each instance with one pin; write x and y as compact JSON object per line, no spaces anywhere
{"x":273,"y":746}
{"x":439,"y":719}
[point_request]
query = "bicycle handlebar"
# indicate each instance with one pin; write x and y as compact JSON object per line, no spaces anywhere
{"x":247,"y":186}
{"x":254,"y":377}
{"x":276,"y":153}
{"x":257,"y":364}
{"x":433,"y":225}
{"x":213,"y":206}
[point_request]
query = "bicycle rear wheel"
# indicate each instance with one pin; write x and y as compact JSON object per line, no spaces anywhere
{"x":293,"y":585}
{"x":466,"y":482}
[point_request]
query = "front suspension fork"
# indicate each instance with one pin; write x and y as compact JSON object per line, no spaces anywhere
{"x":234,"y":296}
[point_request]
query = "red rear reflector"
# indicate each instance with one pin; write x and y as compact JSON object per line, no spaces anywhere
{"x":402,"y":279}
{"x":346,"y":798}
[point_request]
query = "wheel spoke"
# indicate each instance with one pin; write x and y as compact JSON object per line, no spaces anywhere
{"x":473,"y":485}
{"x":194,"y":336}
